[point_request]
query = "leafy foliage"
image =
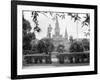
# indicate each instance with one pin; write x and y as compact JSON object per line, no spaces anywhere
{"x":76,"y":47}
{"x":27,"y":36}
{"x":45,"y":45}
{"x":87,"y":34}
{"x":60,"y":48}
{"x":26,"y":26}
{"x":86,"y":21}
{"x":35,"y":15}
{"x":41,"y":46}
{"x":71,"y":39}
{"x":86,"y":44}
{"x":26,"y":43}
{"x":75,"y":16}
{"x":34,"y":44}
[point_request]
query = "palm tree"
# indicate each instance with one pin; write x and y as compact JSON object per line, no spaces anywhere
{"x":76,"y":18}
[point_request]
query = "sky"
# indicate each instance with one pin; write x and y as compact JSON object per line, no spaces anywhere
{"x":67,"y":23}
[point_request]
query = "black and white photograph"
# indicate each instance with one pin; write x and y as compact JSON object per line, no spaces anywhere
{"x":54,"y":39}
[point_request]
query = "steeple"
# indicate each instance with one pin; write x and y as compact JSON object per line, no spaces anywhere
{"x":57,"y":29}
{"x":66,"y":35}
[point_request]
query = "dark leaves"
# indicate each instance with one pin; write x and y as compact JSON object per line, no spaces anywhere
{"x":37,"y":29}
{"x":32,"y":13}
{"x":26,"y":26}
{"x":35,"y":15}
{"x":60,"y":48}
{"x":87,"y":33}
{"x":45,"y":45}
{"x":86,"y":21}
{"x":69,"y":14}
{"x":76,"y":47}
{"x":75,"y":16}
{"x":62,"y":15}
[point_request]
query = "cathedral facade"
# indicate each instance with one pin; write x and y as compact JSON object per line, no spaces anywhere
{"x":57,"y":38}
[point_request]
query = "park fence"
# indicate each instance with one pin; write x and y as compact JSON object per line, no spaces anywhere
{"x":31,"y":57}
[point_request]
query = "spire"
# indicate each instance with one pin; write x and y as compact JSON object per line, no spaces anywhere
{"x":57,"y":29}
{"x":66,"y":35}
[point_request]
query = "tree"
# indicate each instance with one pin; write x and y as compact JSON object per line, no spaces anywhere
{"x":34,"y":44}
{"x":41,"y":47}
{"x":26,"y":26}
{"x":86,"y":44}
{"x":27,"y":41}
{"x":27,"y":35}
{"x":60,"y":48}
{"x":76,"y":47}
{"x":71,"y":39}
{"x":45,"y":45}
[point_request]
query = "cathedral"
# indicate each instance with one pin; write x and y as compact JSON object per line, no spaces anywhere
{"x":57,"y":38}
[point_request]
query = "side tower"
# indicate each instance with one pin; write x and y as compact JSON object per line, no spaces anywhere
{"x":49,"y":31}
